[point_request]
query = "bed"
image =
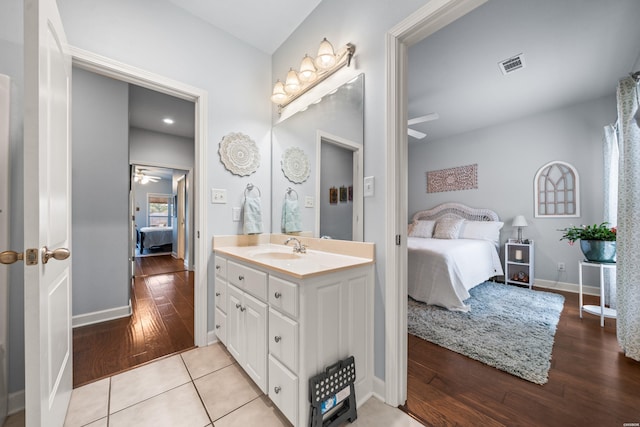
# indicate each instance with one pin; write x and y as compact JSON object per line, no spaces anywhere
{"x":155,"y":236}
{"x":452,"y":248}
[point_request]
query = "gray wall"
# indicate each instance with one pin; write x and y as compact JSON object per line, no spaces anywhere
{"x":159,"y":149}
{"x":100,"y":189}
{"x":337,"y":171}
{"x":508,"y":157}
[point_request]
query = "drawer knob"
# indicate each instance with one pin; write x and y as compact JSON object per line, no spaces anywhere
{"x":217,"y":267}
{"x":277,"y":389}
{"x":277,"y":338}
{"x":217,"y":326}
{"x":217,"y":294}
{"x":240,"y":277}
{"x":243,"y":308}
{"x":277,"y":295}
{"x":238,"y":305}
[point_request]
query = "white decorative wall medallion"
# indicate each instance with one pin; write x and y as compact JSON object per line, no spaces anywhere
{"x":239,"y":154}
{"x":295,"y":165}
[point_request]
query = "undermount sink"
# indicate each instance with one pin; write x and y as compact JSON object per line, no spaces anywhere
{"x":276,"y":255}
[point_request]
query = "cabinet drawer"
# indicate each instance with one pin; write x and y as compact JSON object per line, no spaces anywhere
{"x":283,"y":339}
{"x":221,"y":326}
{"x":221,"y":294}
{"x":283,"y":295}
{"x":248,"y":279}
{"x":283,"y":390}
{"x":221,"y":267}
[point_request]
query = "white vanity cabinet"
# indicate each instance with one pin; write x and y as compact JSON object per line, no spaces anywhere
{"x":221,"y":299}
{"x":247,"y":320}
{"x":284,"y":327}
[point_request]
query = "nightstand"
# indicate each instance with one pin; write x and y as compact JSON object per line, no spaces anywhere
{"x":518,"y":262}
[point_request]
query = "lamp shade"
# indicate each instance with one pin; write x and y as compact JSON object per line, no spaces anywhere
{"x":292,"y":83}
{"x":326,"y":56}
{"x":307,"y":71}
{"x":519,"y":221}
{"x":279,"y":95}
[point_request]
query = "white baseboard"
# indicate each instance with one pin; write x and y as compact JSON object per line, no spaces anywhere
{"x":212,"y":338}
{"x":16,"y":402}
{"x":379,"y":389}
{"x":101,"y":316}
{"x":565,"y":286}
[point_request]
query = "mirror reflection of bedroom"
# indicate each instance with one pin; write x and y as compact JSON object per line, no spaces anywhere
{"x":143,"y":141}
{"x":493,"y":98}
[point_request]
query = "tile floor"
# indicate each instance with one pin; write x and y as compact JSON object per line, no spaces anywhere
{"x":200,"y":387}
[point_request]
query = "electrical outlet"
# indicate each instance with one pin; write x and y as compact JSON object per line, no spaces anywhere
{"x":561,"y":266}
{"x":218,"y":195}
{"x":235,"y":214}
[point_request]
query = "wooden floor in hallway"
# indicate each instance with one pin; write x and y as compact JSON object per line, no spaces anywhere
{"x":591,"y":383}
{"x":162,"y":300}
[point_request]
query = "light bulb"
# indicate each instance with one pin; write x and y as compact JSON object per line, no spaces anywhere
{"x":307,"y":70}
{"x":326,"y":56}
{"x":279,"y":95}
{"x":292,"y":83}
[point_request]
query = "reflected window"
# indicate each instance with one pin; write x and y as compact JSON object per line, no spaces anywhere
{"x":159,"y":209}
{"x":557,"y":193}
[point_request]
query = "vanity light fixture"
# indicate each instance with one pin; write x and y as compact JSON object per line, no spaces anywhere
{"x":312,"y":71}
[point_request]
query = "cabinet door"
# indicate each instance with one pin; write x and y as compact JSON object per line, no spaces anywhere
{"x":255,"y":358}
{"x":221,"y":294}
{"x":235,"y":327}
{"x":221,"y":326}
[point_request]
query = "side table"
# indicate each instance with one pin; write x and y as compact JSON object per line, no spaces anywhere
{"x":600,"y":310}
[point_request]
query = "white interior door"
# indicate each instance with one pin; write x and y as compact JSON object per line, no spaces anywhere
{"x":47,"y":215}
{"x":5,"y":89}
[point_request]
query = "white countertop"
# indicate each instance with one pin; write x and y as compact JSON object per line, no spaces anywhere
{"x":281,"y":258}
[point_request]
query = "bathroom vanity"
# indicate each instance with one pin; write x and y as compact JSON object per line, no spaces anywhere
{"x":286,"y":316}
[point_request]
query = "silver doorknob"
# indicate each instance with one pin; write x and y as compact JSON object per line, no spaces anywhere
{"x":59,"y":254}
{"x":277,"y":389}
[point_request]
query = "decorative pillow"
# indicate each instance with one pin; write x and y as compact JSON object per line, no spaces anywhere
{"x":422,"y":228}
{"x":447,"y":228}
{"x":481,"y":230}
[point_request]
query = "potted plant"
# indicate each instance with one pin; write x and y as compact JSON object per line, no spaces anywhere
{"x":597,"y":242}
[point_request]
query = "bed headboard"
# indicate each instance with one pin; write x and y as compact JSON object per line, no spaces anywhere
{"x":456,"y":210}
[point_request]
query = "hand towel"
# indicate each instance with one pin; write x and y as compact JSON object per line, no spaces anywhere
{"x":252,"y":215}
{"x":291,"y":222}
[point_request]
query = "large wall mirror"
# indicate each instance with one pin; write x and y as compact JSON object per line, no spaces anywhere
{"x":317,"y":159}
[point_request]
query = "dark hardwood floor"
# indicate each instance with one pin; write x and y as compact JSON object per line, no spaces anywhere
{"x":161,"y":323}
{"x":591,"y":382}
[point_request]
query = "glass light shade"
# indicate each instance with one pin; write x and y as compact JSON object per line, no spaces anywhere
{"x":326,"y":56}
{"x":279,"y":95}
{"x":292,"y":83}
{"x":307,"y":71}
{"x":519,"y":221}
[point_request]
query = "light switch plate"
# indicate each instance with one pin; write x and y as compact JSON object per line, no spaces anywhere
{"x":218,"y":195}
{"x":369,"y":186}
{"x":235,"y":213}
{"x":308,"y":202}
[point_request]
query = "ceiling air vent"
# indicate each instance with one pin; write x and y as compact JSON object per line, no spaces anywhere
{"x":512,"y":64}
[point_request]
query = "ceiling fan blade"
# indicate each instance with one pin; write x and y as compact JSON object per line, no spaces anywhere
{"x":427,"y":118}
{"x":416,"y":134}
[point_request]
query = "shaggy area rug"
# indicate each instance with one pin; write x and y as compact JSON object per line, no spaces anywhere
{"x":509,"y":328}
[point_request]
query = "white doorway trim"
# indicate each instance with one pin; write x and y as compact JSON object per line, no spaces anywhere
{"x":110,"y":68}
{"x":358,"y":223}
{"x":425,"y":21}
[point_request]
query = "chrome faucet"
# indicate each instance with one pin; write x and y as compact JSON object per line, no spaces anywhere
{"x":298,"y":247}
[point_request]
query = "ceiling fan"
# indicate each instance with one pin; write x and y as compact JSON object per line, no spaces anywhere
{"x":141,"y":177}
{"x":422,"y":119}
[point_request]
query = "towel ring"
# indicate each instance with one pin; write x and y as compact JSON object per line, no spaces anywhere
{"x":250,"y":188}
{"x":289,"y":191}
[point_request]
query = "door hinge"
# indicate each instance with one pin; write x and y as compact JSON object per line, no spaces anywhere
{"x":397,"y":239}
{"x":198,"y":234}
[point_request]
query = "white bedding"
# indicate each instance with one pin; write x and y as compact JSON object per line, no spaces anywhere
{"x":441,"y":271}
{"x":155,"y":236}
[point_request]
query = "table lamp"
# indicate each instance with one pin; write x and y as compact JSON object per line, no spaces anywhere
{"x":519,"y":221}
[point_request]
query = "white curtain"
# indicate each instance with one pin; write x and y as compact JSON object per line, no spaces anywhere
{"x":628,"y":246}
{"x":611,"y":156}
